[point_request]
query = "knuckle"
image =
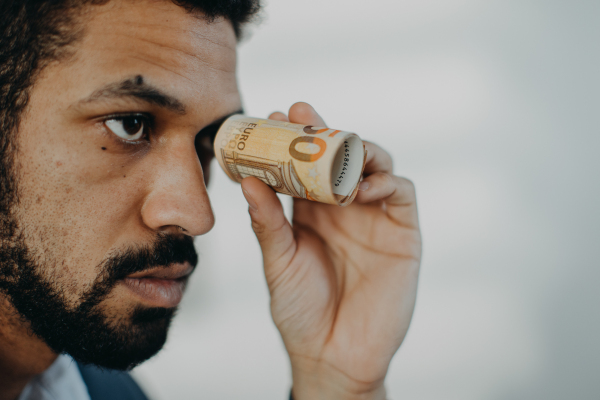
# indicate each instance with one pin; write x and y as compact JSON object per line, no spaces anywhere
{"x":258,"y":228}
{"x":267,"y":230}
{"x":405,"y":181}
{"x":407,"y":187}
{"x":386,"y":178}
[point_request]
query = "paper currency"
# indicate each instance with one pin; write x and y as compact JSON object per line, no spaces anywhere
{"x":307,"y":162}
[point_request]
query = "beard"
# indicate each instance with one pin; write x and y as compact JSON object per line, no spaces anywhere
{"x":85,"y":332}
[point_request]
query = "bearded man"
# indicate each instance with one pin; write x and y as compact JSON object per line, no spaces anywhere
{"x":108,"y":111}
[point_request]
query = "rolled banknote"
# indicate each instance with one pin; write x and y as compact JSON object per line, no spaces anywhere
{"x":307,"y":162}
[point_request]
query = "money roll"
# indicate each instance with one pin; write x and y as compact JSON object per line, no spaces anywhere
{"x":314,"y":163}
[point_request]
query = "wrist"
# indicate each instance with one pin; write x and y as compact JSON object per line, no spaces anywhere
{"x":313,"y":380}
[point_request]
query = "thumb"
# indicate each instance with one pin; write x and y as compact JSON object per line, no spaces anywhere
{"x":272,"y":229}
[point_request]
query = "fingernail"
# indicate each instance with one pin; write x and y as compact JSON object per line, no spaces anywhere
{"x":250,"y":201}
{"x":363,"y":186}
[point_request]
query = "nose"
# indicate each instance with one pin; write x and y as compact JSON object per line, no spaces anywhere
{"x":178,"y":200}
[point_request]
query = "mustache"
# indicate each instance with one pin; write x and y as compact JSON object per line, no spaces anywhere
{"x":165,"y":250}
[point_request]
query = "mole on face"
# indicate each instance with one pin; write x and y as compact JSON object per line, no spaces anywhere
{"x":139,"y":80}
{"x":103,"y":148}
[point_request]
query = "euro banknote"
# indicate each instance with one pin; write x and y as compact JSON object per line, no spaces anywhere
{"x":303,"y":161}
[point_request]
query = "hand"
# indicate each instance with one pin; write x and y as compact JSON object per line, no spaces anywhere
{"x":342,"y":280}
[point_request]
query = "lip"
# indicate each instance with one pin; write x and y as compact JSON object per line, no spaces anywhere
{"x":161,"y":286}
{"x":172,"y":272}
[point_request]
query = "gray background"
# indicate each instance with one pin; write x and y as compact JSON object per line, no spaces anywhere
{"x":491,"y":108}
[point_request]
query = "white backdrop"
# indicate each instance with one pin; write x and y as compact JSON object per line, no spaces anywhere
{"x":491,"y":107}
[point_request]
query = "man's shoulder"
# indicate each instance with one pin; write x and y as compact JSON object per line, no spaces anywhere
{"x":107,"y":384}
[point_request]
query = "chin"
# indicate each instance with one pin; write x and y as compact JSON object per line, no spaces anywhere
{"x":124,"y":347}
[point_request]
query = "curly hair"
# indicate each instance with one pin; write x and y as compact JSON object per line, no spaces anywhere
{"x":37,"y":32}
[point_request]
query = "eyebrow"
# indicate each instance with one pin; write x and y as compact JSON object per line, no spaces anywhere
{"x":137,"y":88}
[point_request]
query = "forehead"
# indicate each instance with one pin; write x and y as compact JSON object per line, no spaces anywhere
{"x":179,"y":51}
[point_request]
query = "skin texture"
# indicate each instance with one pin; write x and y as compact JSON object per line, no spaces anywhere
{"x":342,"y":280}
{"x":83,"y":192}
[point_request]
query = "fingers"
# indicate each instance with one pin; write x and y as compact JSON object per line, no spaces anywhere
{"x":300,"y":113}
{"x":397,"y":193}
{"x":381,"y":186}
{"x":378,"y":160}
{"x":279,"y":116}
{"x":303,"y":113}
{"x":272,"y":229}
{"x":379,"y":183}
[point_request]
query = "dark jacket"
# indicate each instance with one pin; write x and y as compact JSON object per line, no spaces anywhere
{"x":108,"y":384}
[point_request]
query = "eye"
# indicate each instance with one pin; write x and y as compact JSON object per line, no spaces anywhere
{"x":129,"y":127}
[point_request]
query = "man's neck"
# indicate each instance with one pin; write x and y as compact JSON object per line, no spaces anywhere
{"x":22,"y":354}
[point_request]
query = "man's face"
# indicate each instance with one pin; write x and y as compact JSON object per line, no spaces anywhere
{"x":110,"y":185}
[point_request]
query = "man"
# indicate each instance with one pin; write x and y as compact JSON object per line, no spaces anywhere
{"x":108,"y":110}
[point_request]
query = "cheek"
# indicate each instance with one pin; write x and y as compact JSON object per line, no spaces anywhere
{"x":75,"y":211}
